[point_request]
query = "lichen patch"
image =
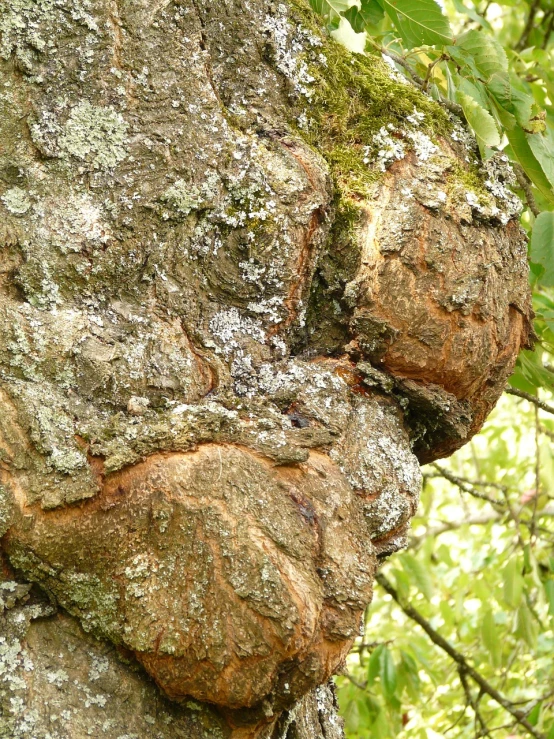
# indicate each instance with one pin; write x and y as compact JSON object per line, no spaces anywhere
{"x":95,"y":134}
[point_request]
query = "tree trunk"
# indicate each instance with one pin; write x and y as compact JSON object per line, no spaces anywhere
{"x":247,"y":282}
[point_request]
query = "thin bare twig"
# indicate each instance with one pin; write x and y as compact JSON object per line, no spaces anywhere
{"x":473,"y":483}
{"x":368,"y":645}
{"x":484,"y":731}
{"x":546,"y":432}
{"x":515,"y":518}
{"x":360,"y":686}
{"x":531,"y":398}
{"x":466,"y":487}
{"x":458,"y":658}
{"x":533,"y":532}
{"x":430,"y":68}
{"x":445,"y":526}
{"x":509,"y":725}
{"x":525,"y":184}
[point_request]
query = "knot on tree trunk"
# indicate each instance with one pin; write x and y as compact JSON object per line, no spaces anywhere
{"x":440,"y":301}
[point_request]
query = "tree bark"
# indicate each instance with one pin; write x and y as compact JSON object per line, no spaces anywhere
{"x":248,"y":281}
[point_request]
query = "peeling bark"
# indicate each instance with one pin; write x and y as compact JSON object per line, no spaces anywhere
{"x":247,"y":282}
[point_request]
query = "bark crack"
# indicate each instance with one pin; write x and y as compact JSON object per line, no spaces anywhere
{"x":204,"y":46}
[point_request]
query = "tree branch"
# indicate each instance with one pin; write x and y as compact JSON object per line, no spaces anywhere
{"x":484,"y":731}
{"x":531,"y":398}
{"x":533,"y":529}
{"x":525,"y":184}
{"x":360,"y":686}
{"x":467,"y":487}
{"x":528,"y":26}
{"x":460,"y":660}
{"x":548,"y":31}
{"x":472,"y":483}
{"x":445,"y":526}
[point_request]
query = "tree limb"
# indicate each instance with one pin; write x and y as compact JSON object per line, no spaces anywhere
{"x":528,"y":26}
{"x":484,"y":731}
{"x":460,"y":660}
{"x":525,"y":184}
{"x":467,"y":487}
{"x":531,"y":398}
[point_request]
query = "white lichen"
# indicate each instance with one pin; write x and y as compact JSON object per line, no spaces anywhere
{"x":389,"y":147}
{"x":95,"y":134}
{"x":229,"y":325}
{"x":17,"y":201}
{"x":289,"y":47}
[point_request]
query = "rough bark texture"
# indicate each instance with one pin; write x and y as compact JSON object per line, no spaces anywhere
{"x":247,"y":281}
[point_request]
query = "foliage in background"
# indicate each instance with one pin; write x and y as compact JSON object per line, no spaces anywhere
{"x":478,"y":577}
{"x":480,"y":572}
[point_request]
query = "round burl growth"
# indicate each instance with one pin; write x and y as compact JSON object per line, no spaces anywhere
{"x":440,"y":300}
{"x":230,"y":579}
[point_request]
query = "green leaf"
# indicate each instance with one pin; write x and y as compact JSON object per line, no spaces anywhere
{"x":381,"y":727}
{"x":488,"y":55}
{"x":447,"y":613}
{"x":464,"y":60}
{"x":480,"y":120}
{"x":526,"y":627}
{"x":542,"y":148}
{"x":530,"y":363}
{"x":535,"y":714}
{"x":331,"y":7}
{"x":408,"y":671}
{"x":512,"y":100}
{"x":402,"y":582}
{"x":513,"y":583}
{"x":541,"y":247}
{"x":388,"y":672}
{"x":475,"y":90}
{"x":549,"y":589}
{"x":491,"y":640}
{"x":419,"y":22}
{"x":524,"y":154}
{"x":374,"y":665}
{"x":370,"y":14}
{"x":418,"y":574}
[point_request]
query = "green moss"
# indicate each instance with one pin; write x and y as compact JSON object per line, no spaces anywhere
{"x":354,"y":96}
{"x":467,"y":179}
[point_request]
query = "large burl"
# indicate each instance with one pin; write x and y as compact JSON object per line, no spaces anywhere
{"x":220,"y":355}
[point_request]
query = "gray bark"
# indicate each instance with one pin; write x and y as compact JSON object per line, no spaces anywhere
{"x":247,"y":282}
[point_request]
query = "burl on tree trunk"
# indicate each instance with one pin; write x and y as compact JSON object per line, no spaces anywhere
{"x":247,"y":281}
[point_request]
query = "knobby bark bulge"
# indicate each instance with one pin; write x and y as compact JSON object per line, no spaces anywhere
{"x":247,"y":282}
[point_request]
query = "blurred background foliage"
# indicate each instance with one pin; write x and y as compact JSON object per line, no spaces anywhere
{"x":479,"y":571}
{"x":459,"y":641}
